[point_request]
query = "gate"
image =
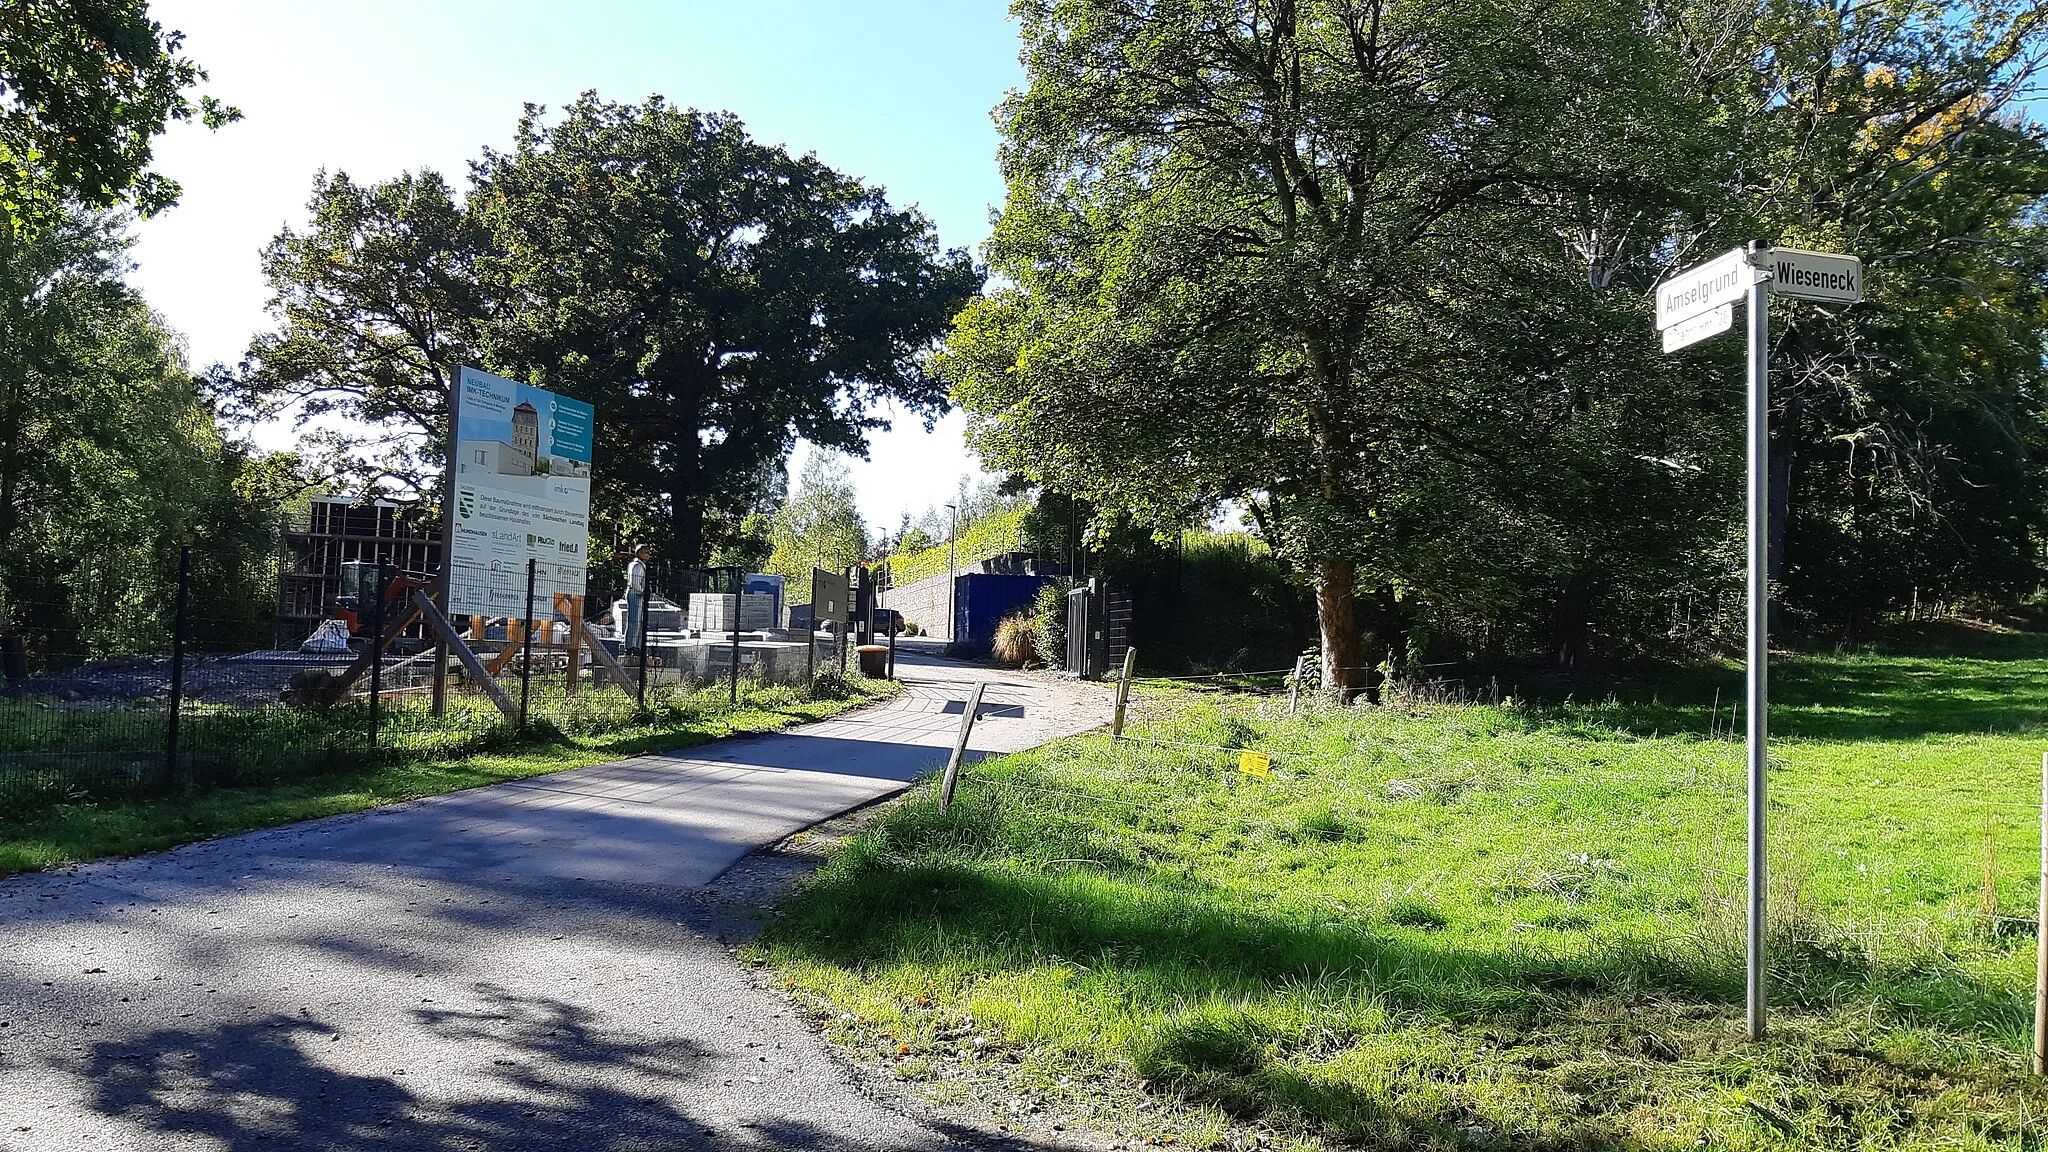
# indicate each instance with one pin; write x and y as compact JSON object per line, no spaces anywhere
{"x":1098,"y":629}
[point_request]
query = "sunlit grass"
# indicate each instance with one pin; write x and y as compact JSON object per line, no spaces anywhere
{"x":1466,"y":926}
{"x":422,"y":757}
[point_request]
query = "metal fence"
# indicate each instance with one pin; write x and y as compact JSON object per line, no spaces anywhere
{"x":190,"y":704}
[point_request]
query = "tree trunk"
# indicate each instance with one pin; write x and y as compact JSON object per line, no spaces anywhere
{"x":1783,"y":448}
{"x":687,"y":514}
{"x":1571,"y":627}
{"x":1346,"y":670}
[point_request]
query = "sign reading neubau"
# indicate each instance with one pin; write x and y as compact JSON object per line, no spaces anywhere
{"x":1704,"y":287}
{"x":1823,"y":276}
{"x":521,"y":458}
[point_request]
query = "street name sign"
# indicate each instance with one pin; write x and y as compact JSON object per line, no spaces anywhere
{"x":1696,"y":304}
{"x":1686,"y":333}
{"x":1704,"y":287}
{"x":1824,"y":276}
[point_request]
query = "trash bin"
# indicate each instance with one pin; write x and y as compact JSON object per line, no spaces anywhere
{"x":874,"y":660}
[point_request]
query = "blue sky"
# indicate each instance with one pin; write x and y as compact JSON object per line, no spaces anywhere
{"x":897,"y":92}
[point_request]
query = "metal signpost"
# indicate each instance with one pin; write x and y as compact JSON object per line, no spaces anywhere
{"x":1695,"y":305}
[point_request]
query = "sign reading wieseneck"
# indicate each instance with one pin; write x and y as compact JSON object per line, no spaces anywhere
{"x":1824,"y":276}
{"x":522,"y":492}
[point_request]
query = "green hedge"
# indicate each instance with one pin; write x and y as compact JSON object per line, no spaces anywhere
{"x":987,"y":537}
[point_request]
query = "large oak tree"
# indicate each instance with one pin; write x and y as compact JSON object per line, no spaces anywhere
{"x":715,"y":297}
{"x":1236,"y":235}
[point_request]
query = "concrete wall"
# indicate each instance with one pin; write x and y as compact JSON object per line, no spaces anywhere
{"x":923,"y":604}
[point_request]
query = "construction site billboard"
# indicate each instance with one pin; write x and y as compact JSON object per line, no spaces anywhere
{"x":520,"y":486}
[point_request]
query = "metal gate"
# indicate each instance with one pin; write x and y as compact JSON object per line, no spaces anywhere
{"x":1098,"y":629}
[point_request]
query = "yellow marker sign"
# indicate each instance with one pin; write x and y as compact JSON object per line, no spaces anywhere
{"x":1254,"y":763}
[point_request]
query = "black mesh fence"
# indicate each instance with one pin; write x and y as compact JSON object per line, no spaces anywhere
{"x":185,"y":701}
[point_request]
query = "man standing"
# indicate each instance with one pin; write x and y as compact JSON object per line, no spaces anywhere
{"x":636,"y":599}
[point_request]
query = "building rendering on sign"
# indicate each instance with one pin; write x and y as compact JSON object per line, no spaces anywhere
{"x":496,"y":457}
{"x":526,"y":430}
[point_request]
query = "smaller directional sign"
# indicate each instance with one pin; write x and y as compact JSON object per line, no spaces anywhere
{"x":1824,"y":276}
{"x":1686,"y":333}
{"x":1704,"y":287}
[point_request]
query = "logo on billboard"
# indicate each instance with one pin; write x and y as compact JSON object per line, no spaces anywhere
{"x":465,"y":503}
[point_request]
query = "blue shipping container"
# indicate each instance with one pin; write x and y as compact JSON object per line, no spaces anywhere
{"x":981,"y":600}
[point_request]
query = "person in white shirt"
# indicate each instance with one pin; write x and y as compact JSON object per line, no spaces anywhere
{"x":636,"y":598}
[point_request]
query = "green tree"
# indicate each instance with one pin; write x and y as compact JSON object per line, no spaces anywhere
{"x":378,"y":304}
{"x":820,"y":526}
{"x":111,"y":458}
{"x":1239,"y":235}
{"x":85,"y":87}
{"x":715,"y":298}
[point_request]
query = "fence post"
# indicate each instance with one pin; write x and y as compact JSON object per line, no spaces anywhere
{"x":1123,"y":692}
{"x":177,"y":706}
{"x":646,"y":610}
{"x":526,"y":645}
{"x":952,"y":777}
{"x":735,"y":697}
{"x":2041,"y":940}
{"x":378,"y":590}
{"x":1294,"y":685}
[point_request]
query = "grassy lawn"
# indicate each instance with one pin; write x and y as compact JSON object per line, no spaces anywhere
{"x":1484,"y":926}
{"x":281,"y":768}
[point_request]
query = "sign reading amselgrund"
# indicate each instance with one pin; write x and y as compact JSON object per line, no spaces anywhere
{"x":521,"y":458}
{"x":1703,"y":288}
{"x":1823,"y":276}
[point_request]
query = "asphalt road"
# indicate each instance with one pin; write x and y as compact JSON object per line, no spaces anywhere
{"x":528,"y":966}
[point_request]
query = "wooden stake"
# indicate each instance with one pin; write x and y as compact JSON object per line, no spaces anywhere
{"x":603,"y":655}
{"x":1294,"y":685}
{"x":572,"y":608}
{"x":1123,"y":692}
{"x":952,"y":777}
{"x":426,"y":609}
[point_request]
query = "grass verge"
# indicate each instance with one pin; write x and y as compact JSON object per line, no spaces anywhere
{"x":1447,"y":927}
{"x":65,"y":833}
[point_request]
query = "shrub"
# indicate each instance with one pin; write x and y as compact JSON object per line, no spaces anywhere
{"x":1050,"y":612}
{"x":1016,"y":641}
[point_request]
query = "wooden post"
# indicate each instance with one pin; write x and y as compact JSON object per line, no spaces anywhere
{"x":572,"y":608}
{"x":445,"y":632}
{"x":952,"y":777}
{"x":515,"y":638}
{"x":2041,"y":940}
{"x":1123,"y":692}
{"x":602,"y":656}
{"x":1294,"y":685}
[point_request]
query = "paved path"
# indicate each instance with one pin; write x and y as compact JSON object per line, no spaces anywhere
{"x":525,"y":966}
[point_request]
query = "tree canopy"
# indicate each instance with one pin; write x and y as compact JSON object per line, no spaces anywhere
{"x":1380,"y":270}
{"x":716,"y":298}
{"x":85,"y":87}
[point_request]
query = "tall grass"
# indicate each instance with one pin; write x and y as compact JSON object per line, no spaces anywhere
{"x":1447,"y":926}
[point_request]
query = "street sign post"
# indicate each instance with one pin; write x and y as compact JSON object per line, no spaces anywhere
{"x":1692,"y":306}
